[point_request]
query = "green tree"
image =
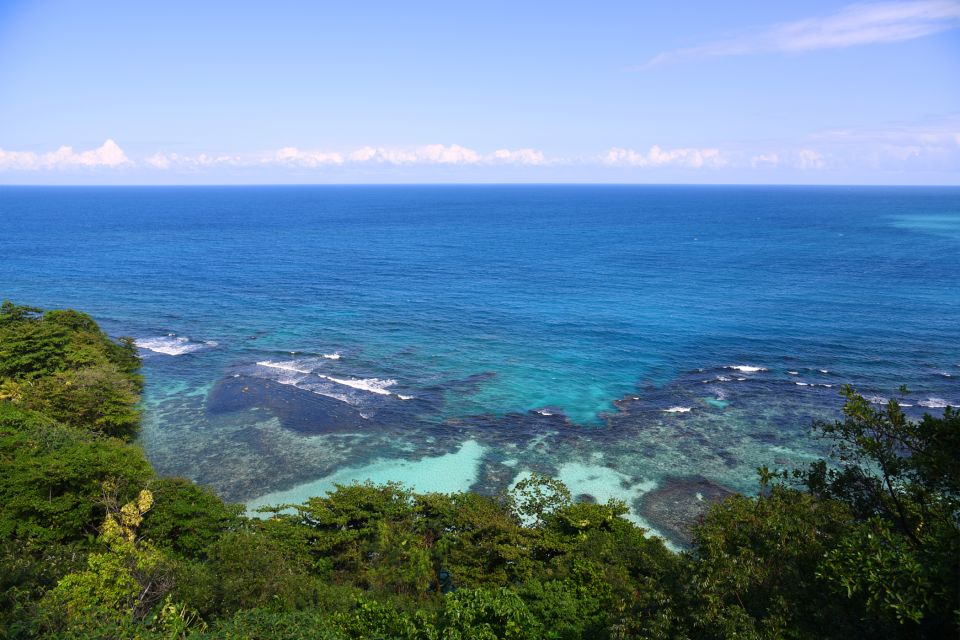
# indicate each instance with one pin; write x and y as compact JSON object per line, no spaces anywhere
{"x":187,"y":519}
{"x":753,"y":570}
{"x":902,"y":481}
{"x":53,"y":476}
{"x":120,"y":585}
{"x":251,"y":571}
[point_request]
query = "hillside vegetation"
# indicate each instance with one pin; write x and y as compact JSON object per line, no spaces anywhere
{"x":94,"y":545}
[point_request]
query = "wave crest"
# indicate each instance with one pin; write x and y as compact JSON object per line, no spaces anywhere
{"x":172,"y":344}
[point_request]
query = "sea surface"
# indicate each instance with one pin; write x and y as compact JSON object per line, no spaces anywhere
{"x":645,"y":343}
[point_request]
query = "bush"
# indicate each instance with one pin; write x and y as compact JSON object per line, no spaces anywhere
{"x":53,"y":477}
{"x":252,"y":571}
{"x":187,"y":519}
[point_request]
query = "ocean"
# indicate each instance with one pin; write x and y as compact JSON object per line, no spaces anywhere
{"x":644,"y":343}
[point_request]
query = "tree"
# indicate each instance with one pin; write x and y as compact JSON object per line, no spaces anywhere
{"x":120,"y":585}
{"x":53,"y":476}
{"x":187,"y":519}
{"x":902,"y":481}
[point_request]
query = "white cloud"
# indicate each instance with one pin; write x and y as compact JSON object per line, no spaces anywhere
{"x":853,"y":25}
{"x":363,"y":154}
{"x":179,"y":161}
{"x":292,"y":155}
{"x":427,"y":154}
{"x":17,"y":160}
{"x":929,"y":145}
{"x":431,"y":154}
{"x":519,"y":156}
{"x":160,"y":160}
{"x":657,"y":157}
{"x":809,"y":159}
{"x":765,"y":160}
{"x":109,"y":154}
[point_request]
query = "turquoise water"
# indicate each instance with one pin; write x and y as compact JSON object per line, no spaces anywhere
{"x":458,"y":336}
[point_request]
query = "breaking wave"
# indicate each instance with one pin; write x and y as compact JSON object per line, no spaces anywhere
{"x":745,"y":368}
{"x":172,"y":344}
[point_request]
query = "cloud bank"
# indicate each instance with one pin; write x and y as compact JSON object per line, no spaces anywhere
{"x":294,"y":157}
{"x":854,"y":25}
{"x":930,"y":146}
{"x":657,"y":157}
{"x":109,"y":154}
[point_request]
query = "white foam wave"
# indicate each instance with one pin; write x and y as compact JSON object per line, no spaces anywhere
{"x":745,"y":368}
{"x":171,"y":345}
{"x":794,"y":373}
{"x":934,"y":403}
{"x":877,"y":399}
{"x":292,"y":366}
{"x":802,"y":384}
{"x":946,"y":375}
{"x":823,"y":370}
{"x":677,"y":410}
{"x":403,"y":397}
{"x":373,"y":385}
{"x":332,"y":356}
{"x":300,"y":383}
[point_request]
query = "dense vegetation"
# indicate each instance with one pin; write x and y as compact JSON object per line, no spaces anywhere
{"x":94,"y":545}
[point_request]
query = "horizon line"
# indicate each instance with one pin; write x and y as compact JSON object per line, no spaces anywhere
{"x":478,"y":184}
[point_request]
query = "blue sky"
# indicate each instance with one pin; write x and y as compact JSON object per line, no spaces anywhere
{"x":172,"y":92}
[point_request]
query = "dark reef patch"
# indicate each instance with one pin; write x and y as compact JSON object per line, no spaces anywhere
{"x":678,"y":504}
{"x":297,"y":409}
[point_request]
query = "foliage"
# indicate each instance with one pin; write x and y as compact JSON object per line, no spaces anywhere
{"x":755,"y":566}
{"x":61,"y":364}
{"x":253,"y":571}
{"x":537,"y":496}
{"x":123,"y":583}
{"x":476,"y":539}
{"x":487,"y":614}
{"x":902,"y":480}
{"x":53,"y":475}
{"x":276,"y":625}
{"x":35,"y":345}
{"x":99,"y":398}
{"x":186,"y":519}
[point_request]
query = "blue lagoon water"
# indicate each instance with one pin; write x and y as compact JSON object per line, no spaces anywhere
{"x":623,"y":338}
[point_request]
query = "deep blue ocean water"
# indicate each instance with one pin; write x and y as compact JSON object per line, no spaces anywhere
{"x":623,"y":338}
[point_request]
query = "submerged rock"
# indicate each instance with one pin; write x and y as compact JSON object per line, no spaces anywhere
{"x":678,"y":504}
{"x":297,"y":409}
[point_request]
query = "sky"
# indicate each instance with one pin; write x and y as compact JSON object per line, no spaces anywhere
{"x":706,"y":92}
